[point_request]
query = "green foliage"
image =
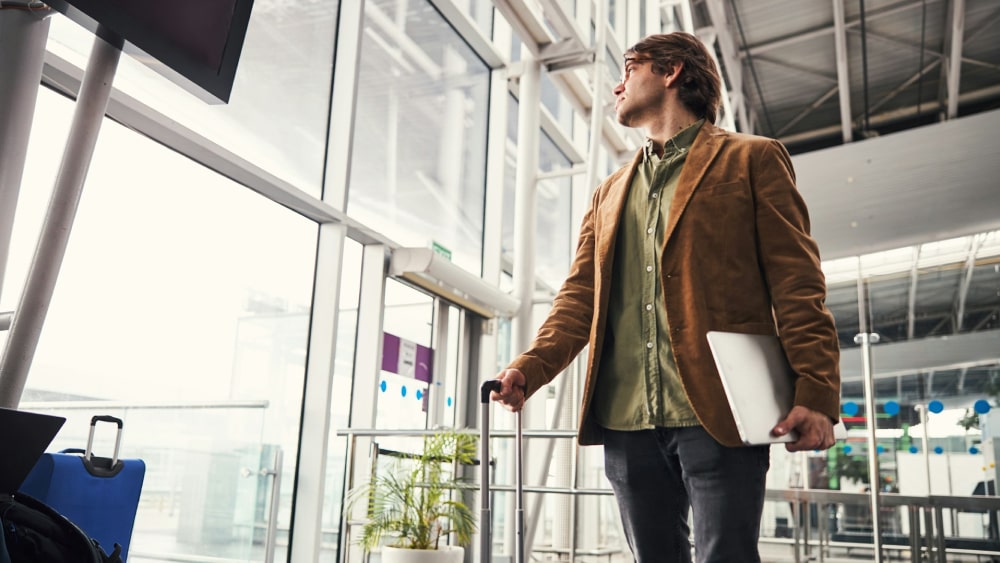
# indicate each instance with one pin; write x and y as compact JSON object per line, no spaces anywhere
{"x":411,"y":504}
{"x":969,"y":420}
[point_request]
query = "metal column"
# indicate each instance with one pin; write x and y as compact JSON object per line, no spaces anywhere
{"x":23,"y":32}
{"x":525,"y":227}
{"x":865,"y":338}
{"x":91,"y":104}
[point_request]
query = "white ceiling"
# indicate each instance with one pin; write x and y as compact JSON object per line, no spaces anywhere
{"x":915,"y":186}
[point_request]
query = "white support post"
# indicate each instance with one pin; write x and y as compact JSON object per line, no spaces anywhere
{"x":525,"y":228}
{"x":29,"y":317}
{"x":843,"y":75}
{"x":22,"y":51}
{"x":955,"y":60}
{"x":314,"y":441}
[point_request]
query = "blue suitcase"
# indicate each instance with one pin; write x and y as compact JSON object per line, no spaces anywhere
{"x":98,"y":494}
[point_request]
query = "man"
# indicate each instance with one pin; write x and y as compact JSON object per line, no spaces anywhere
{"x":703,"y":230}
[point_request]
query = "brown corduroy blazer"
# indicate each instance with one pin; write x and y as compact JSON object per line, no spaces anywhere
{"x":737,"y":257}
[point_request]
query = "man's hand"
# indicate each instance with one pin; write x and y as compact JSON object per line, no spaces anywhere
{"x":511,"y":394}
{"x":815,"y":429}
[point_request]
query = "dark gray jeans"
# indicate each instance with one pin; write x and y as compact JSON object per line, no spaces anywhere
{"x":658,"y":474}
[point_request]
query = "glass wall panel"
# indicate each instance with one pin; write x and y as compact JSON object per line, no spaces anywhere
{"x":277,"y":115}
{"x":555,"y":236}
{"x":408,"y":318}
{"x":418,"y":168}
{"x":555,"y":241}
{"x":183,"y":306}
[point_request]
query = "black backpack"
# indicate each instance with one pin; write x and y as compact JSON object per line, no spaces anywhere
{"x":35,"y":533}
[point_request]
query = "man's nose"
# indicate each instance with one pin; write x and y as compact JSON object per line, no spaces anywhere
{"x":619,"y":88}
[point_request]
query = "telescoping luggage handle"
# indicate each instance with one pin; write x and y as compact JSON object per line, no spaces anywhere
{"x":485,"y":521}
{"x":90,"y":439}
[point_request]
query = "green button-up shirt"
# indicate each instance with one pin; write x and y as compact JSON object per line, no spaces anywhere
{"x":638,"y":385}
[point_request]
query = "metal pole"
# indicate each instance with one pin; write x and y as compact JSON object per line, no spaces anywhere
{"x":519,"y":493}
{"x":525,"y":228}
{"x":91,"y":104}
{"x":271,"y":539}
{"x":23,"y":32}
{"x":922,"y":409}
{"x":865,"y":339}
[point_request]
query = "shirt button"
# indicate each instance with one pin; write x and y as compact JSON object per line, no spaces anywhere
{"x":649,"y":345}
{"x":649,"y":307}
{"x":655,"y":195}
{"x":649,"y":268}
{"x":649,"y":231}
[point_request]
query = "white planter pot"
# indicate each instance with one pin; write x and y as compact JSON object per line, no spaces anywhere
{"x":447,"y":554}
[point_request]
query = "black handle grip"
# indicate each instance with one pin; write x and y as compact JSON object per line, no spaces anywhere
{"x":106,"y":418}
{"x":489,"y":385}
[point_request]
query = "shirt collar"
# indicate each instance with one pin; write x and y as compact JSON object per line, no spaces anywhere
{"x":679,"y":143}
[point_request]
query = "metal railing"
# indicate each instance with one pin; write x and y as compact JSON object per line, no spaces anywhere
{"x":926,"y":534}
{"x":926,"y":538}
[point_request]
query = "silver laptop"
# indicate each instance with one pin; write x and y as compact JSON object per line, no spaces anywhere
{"x":759,"y":384}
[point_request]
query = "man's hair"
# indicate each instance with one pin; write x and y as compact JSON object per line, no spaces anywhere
{"x":699,"y":84}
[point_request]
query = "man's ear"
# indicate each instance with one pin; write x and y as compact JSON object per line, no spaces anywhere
{"x":673,"y":74}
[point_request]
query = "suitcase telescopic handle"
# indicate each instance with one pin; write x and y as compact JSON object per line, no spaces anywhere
{"x":90,"y":439}
{"x":485,"y":521}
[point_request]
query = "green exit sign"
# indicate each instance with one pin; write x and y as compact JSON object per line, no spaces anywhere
{"x":440,"y":249}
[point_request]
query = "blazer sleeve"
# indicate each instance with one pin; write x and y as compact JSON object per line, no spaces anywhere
{"x":791,"y":266}
{"x":566,"y":329}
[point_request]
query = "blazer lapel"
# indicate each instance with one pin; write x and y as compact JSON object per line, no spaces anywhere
{"x":705,"y":148}
{"x":610,"y":214}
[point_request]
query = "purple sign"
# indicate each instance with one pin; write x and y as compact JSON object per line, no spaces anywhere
{"x":406,"y":358}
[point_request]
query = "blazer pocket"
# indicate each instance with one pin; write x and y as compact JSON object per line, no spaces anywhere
{"x":721,"y":189}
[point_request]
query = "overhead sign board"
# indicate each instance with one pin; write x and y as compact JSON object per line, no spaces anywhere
{"x":194,"y":43}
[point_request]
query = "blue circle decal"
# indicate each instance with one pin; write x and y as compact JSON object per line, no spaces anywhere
{"x":973,"y":450}
{"x":891,"y":408}
{"x":383,"y":386}
{"x":939,"y":450}
{"x":982,"y":406}
{"x":850,"y":408}
{"x":420,"y":394}
{"x":403,"y":390}
{"x":935,"y":406}
{"x":913,"y":449}
{"x":880,"y":449}
{"x":449,"y":401}
{"x":847,"y":449}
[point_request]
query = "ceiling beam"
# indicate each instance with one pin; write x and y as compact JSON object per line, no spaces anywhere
{"x":955,"y":60}
{"x":828,"y":30}
{"x":734,"y":66}
{"x":923,"y":355}
{"x":843,"y":75}
{"x":812,"y":107}
{"x":798,"y":70}
{"x":906,"y":84}
{"x":888,"y":117}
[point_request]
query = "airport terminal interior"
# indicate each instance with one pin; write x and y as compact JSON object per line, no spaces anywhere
{"x":282,"y":293}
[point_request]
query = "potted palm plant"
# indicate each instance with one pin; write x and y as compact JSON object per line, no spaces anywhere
{"x":413,"y":505}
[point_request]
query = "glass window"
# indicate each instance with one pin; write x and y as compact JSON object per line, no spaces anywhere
{"x":418,"y":169}
{"x":182,"y":306}
{"x":555,"y":235}
{"x":277,"y":115}
{"x":407,"y":322}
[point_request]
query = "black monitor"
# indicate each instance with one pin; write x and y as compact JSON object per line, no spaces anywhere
{"x":194,"y":43}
